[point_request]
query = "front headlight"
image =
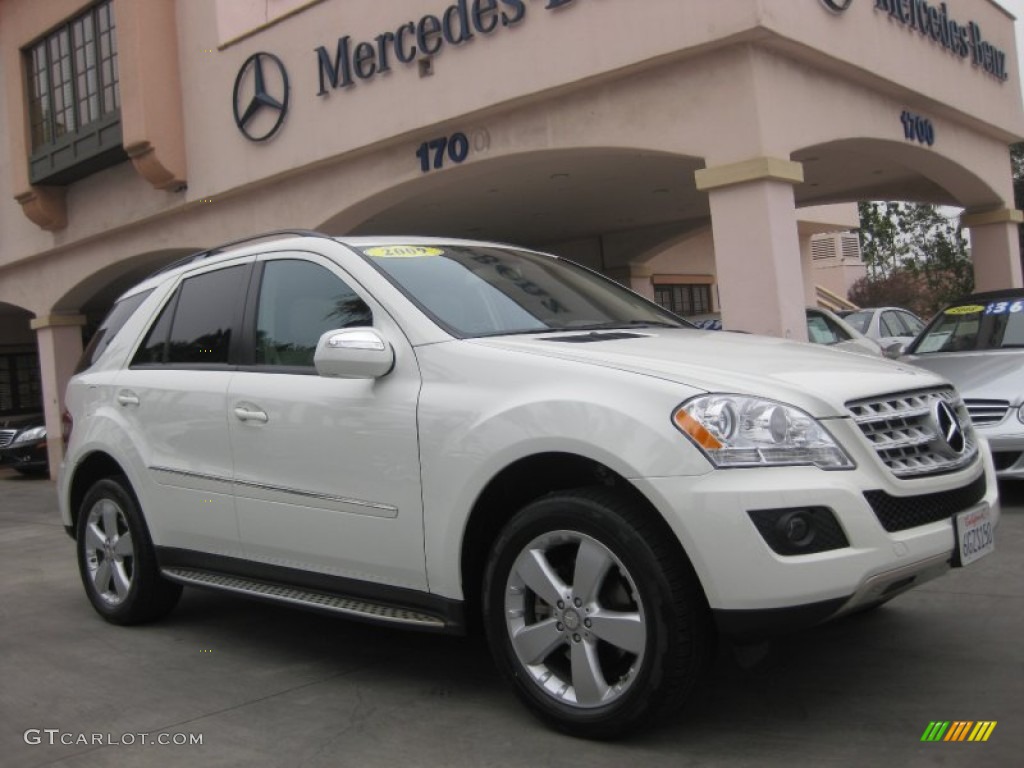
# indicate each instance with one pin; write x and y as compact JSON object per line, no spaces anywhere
{"x":742,"y":431}
{"x":30,"y":435}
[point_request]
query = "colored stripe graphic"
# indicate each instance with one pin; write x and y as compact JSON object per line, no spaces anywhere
{"x":958,"y":730}
{"x":982,"y":730}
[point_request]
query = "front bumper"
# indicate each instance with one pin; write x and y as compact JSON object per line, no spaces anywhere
{"x":755,"y":591}
{"x":30,"y":457}
{"x":1007,"y":442}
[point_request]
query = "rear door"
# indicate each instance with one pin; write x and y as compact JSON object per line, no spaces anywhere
{"x":173,"y":400}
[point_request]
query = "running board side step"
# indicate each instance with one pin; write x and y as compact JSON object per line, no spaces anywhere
{"x":305,"y":598}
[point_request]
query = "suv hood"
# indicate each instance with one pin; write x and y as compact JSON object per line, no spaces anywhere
{"x":988,"y":375}
{"x":819,"y":380}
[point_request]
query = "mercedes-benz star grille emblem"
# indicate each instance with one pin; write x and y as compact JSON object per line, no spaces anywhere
{"x":261,"y":96}
{"x":837,"y":5}
{"x":950,"y":430}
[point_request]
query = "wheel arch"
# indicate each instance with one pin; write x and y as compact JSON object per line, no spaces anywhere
{"x":525,"y":480}
{"x":94,"y":467}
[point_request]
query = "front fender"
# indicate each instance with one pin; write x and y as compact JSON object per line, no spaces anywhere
{"x":493,"y":415}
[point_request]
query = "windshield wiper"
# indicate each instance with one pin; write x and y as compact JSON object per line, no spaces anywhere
{"x":616,"y":324}
{"x":521,"y":332}
{"x":608,"y":326}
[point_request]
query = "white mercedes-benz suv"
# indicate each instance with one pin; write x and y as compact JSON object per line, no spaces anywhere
{"x":442,"y":434}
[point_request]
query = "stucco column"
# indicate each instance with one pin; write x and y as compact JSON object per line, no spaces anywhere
{"x":60,"y":345}
{"x":995,"y":248}
{"x":757,"y":250}
{"x":640,"y":280}
{"x":807,"y":270}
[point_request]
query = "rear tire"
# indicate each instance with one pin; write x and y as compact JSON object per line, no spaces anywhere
{"x":596,"y":620}
{"x":116,"y":559}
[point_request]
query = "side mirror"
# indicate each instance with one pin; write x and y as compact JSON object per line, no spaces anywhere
{"x":353,"y":353}
{"x":895,"y":350}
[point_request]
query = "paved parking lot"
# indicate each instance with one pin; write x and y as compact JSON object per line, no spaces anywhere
{"x":263,"y":685}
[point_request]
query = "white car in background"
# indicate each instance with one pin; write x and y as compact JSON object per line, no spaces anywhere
{"x":828,"y":328}
{"x":823,"y":327}
{"x":886,"y":325}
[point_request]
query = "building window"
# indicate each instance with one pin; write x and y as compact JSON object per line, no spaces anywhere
{"x":73,"y":98}
{"x":684,"y":299}
{"x":20,"y":387}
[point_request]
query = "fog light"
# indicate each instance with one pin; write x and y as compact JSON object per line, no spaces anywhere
{"x":796,"y":528}
{"x":799,"y":530}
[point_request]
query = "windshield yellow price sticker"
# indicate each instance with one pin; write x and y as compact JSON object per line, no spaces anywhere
{"x":967,"y":309}
{"x":402,"y":251}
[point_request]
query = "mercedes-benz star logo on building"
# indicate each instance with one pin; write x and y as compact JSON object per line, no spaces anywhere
{"x":950,"y":430}
{"x":837,"y":5}
{"x":261,"y":96}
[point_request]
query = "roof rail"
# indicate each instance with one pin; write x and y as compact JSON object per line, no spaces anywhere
{"x":200,"y":255}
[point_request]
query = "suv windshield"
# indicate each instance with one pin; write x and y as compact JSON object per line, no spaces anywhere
{"x":975,"y":325}
{"x":481,"y":291}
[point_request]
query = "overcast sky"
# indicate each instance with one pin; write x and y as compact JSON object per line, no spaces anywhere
{"x":1016,"y":7}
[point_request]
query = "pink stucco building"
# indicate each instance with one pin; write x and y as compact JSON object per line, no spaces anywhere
{"x":688,"y":148}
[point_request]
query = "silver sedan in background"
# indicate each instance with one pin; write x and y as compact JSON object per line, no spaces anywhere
{"x":978,"y":344}
{"x":886,"y":325}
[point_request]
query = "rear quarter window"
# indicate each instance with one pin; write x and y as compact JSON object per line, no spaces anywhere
{"x":109,"y":328}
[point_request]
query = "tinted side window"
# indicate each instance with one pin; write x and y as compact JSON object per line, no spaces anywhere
{"x":154,"y":347}
{"x":206,"y":311}
{"x":195,"y":324}
{"x":109,"y":328}
{"x":299,"y":302}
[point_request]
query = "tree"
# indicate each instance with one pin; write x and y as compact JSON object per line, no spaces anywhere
{"x":912,"y":247}
{"x":900,"y":289}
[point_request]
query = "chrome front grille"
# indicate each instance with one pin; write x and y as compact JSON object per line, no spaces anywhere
{"x":987,"y":411}
{"x":904,"y":431}
{"x":6,"y":435}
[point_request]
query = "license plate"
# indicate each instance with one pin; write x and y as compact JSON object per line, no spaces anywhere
{"x":975,"y":535}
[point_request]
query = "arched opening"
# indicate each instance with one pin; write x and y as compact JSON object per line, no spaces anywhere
{"x":863,"y":170}
{"x":20,"y":391}
{"x":606,"y":208}
{"x":851,"y":170}
{"x":95,"y":294}
{"x":537,"y":198}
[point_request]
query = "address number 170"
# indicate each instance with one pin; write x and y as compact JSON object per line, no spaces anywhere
{"x":434,"y":153}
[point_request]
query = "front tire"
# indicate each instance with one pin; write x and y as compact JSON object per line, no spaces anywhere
{"x":595,"y":618}
{"x":116,"y":559}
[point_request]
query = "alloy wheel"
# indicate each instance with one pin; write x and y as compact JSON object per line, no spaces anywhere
{"x":575,"y":619}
